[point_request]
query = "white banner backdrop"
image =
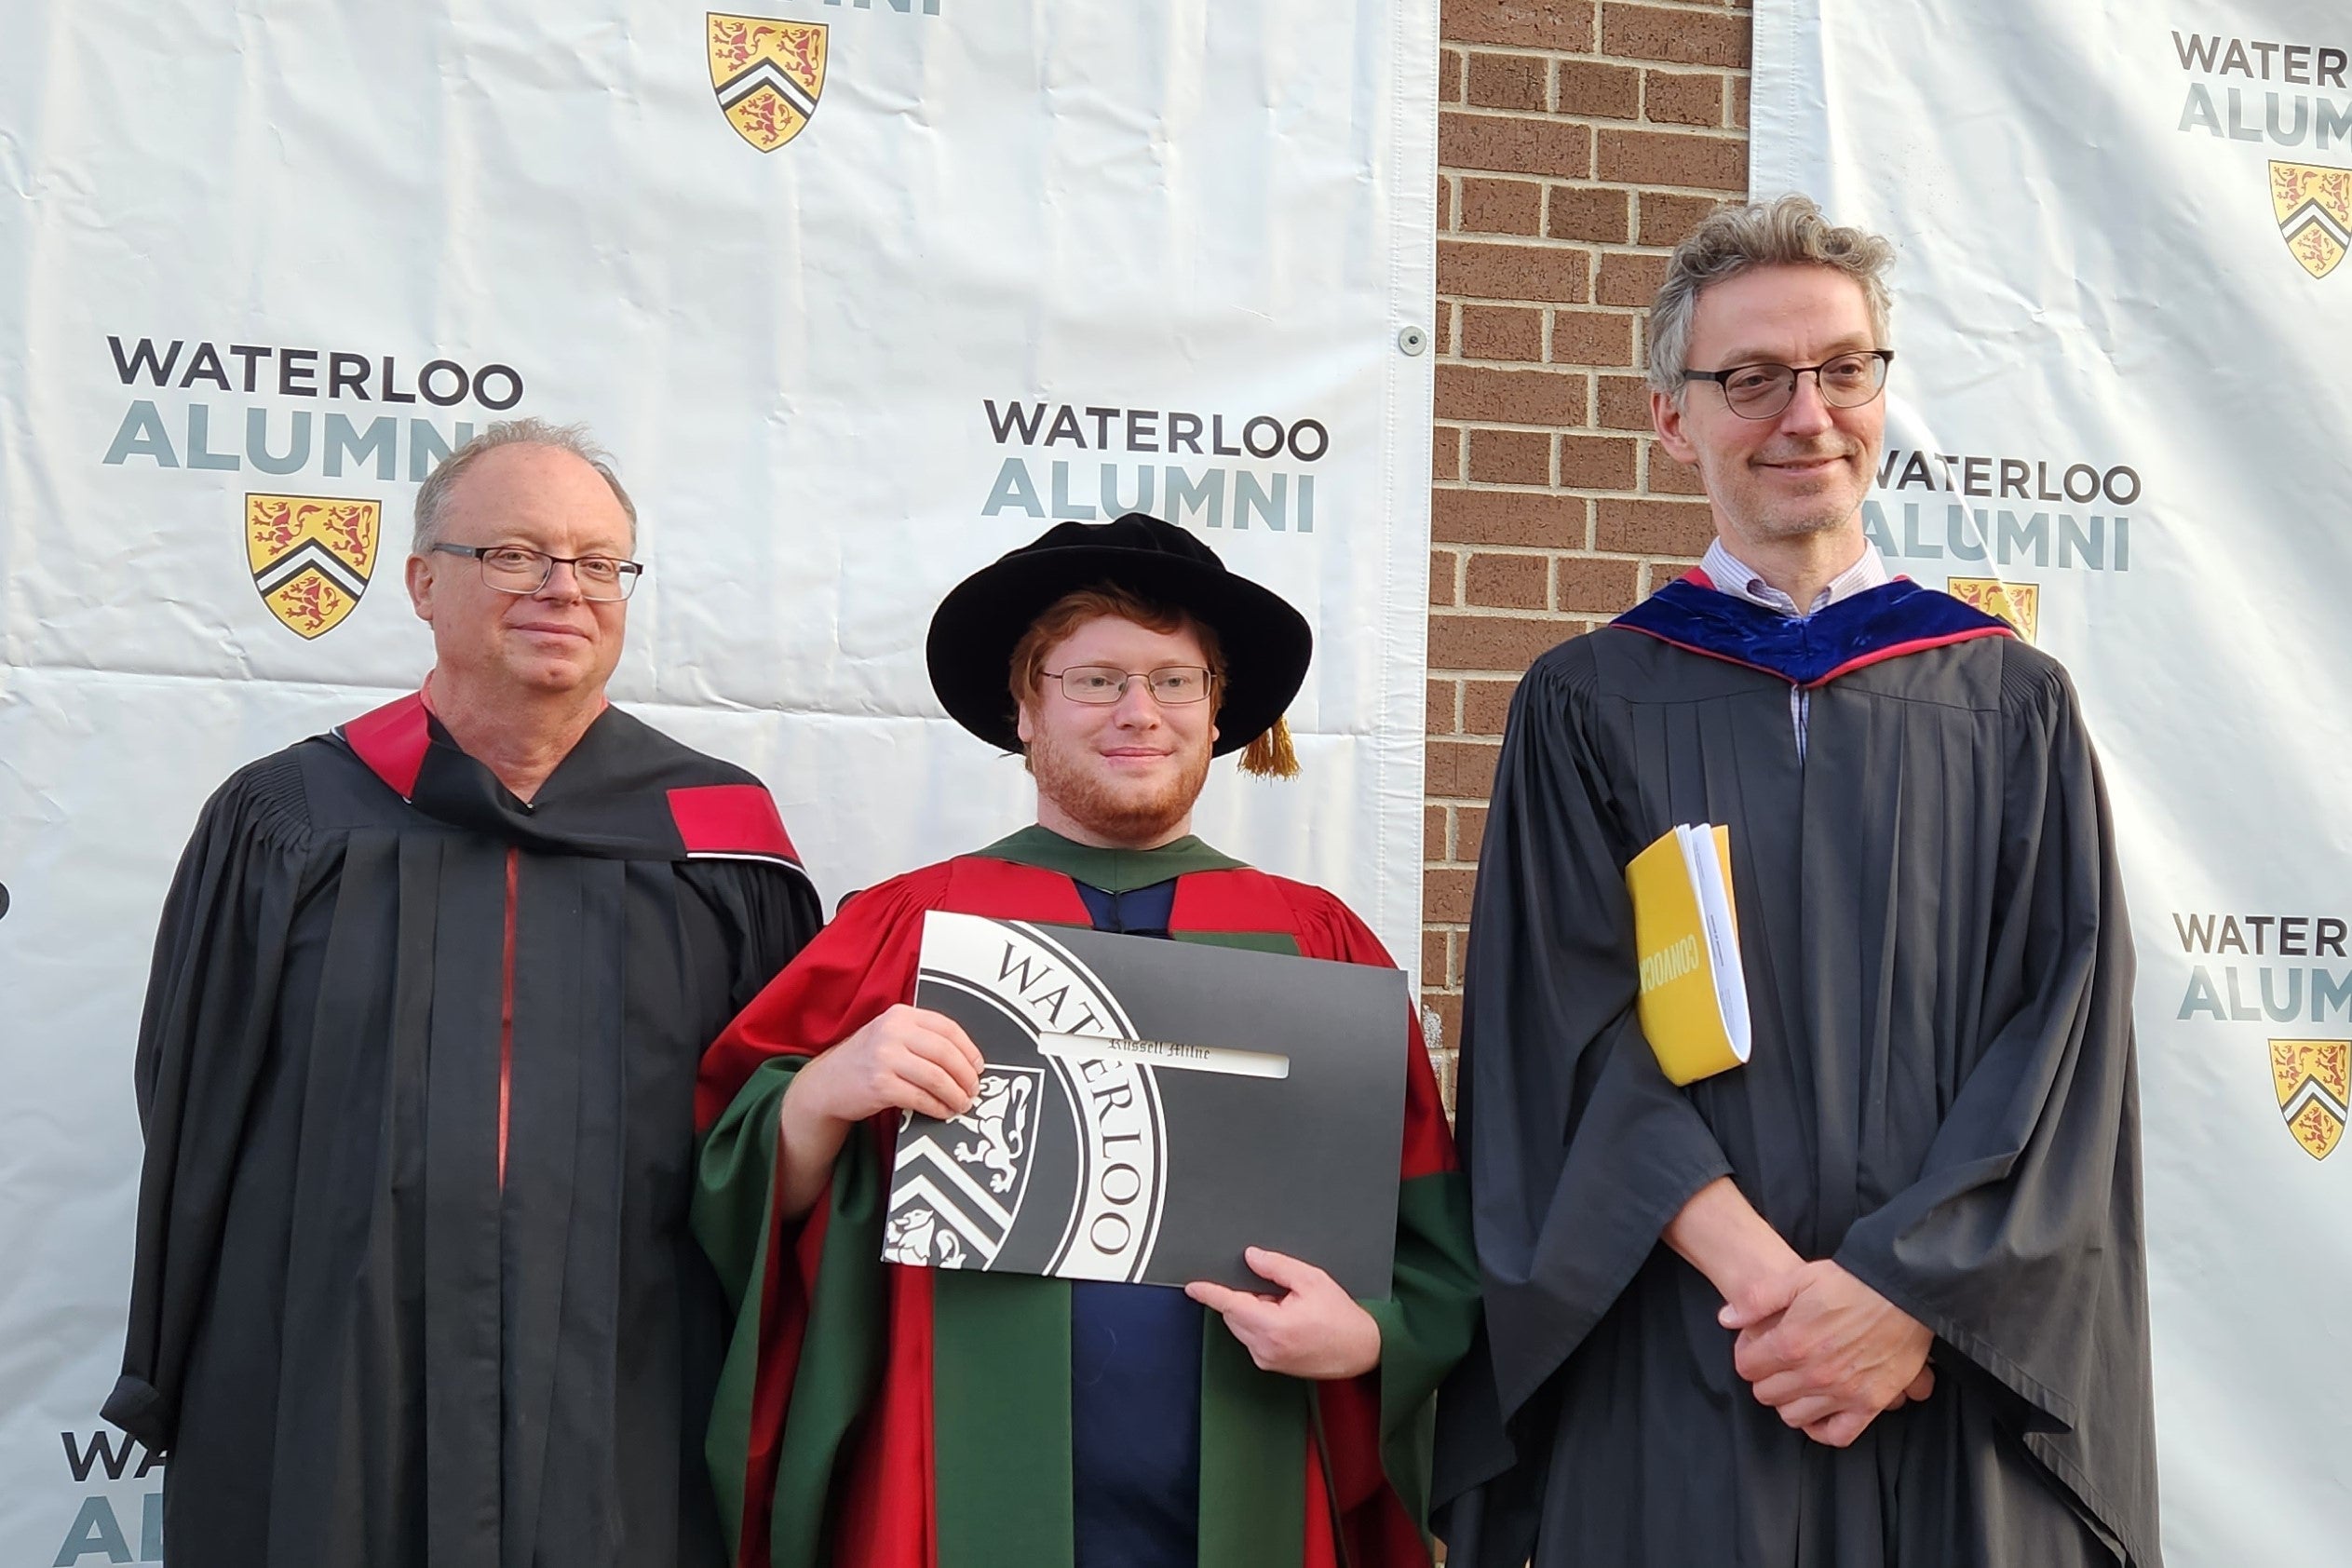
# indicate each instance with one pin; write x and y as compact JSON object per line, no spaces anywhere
{"x":861,"y":296}
{"x":2122,"y":328}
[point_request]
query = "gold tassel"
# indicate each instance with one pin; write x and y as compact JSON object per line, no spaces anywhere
{"x":1270,"y":755}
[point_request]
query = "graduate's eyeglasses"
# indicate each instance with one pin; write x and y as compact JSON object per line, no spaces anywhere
{"x":512,"y":569}
{"x":1762,"y":391}
{"x":1103,"y":683}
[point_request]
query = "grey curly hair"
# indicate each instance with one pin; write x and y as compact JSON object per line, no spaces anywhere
{"x":432,"y":497}
{"x":1789,"y":232}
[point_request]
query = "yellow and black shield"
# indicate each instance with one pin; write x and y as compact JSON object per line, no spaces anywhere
{"x":311,"y":556}
{"x":2314,"y":1081}
{"x":2314,"y":205}
{"x":768,"y":74}
{"x":2017,"y":603}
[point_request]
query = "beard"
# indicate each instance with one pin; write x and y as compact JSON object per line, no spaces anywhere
{"x":1122,"y":810}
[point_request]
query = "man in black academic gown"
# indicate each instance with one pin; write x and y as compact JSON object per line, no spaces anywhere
{"x":1879,"y":1295}
{"x":414,"y":1279}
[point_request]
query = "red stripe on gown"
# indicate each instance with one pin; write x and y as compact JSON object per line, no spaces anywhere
{"x":507,"y":1014}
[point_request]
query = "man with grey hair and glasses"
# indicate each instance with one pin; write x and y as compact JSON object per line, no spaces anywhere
{"x":1878,"y":1294}
{"x":414,"y":1279}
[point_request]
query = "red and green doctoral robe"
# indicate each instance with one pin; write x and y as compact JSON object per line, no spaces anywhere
{"x":873,"y":1415}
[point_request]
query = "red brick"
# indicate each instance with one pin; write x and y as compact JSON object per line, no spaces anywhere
{"x":1445,"y":451}
{"x":1469,"y":832}
{"x":1591,"y":337}
{"x":1501,"y":207}
{"x":1582,"y":212}
{"x":1666,"y":476}
{"x":1473,"y":269}
{"x":1528,"y":24}
{"x":1644,"y":136}
{"x":1505,"y":516}
{"x":1502,"y":332}
{"x":1654,"y":527}
{"x":1682,"y":37}
{"x":1624,"y":403}
{"x":1445,"y":895}
{"x":1660,"y":570}
{"x":1490,"y":643}
{"x":1508,"y":81}
{"x":1597,"y":462}
{"x":1610,"y":93}
{"x":1665,"y":219}
{"x":1485,"y":705}
{"x":1441,"y":574}
{"x":1510,"y":457}
{"x":1507,"y":582}
{"x":1514,"y":145}
{"x":1603,"y":586}
{"x":1631,"y":280}
{"x":1677,"y":98}
{"x":1473,"y":393}
{"x":1658,"y":157}
{"x":1462,"y":769}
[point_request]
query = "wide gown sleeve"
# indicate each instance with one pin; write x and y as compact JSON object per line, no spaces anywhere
{"x":1380,"y":1427}
{"x":772,"y":914}
{"x":1578,"y":1148}
{"x":204,"y":1041}
{"x":816,"y":1281}
{"x":2021,"y":1243}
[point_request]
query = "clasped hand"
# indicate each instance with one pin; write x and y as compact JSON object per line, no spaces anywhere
{"x":1826,"y":1351}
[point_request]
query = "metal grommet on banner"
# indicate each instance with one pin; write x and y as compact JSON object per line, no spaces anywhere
{"x":1412,"y":339}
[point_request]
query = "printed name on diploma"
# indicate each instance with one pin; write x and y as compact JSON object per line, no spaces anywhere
{"x":1228,"y":1059}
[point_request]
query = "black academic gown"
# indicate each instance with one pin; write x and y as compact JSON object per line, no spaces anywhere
{"x":413,"y":1281}
{"x":1941,"y":1097}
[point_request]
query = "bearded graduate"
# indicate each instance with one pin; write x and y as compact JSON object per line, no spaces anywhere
{"x":877,"y":1415}
{"x":415,"y":1282}
{"x":1878,"y":1296}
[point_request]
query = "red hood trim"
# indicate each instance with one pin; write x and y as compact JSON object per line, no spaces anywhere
{"x":392,"y":740}
{"x":1918,"y":645}
{"x":731,"y":820}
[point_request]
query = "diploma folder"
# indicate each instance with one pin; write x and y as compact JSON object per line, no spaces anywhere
{"x":1149,"y":1108}
{"x":1693,"y":1005}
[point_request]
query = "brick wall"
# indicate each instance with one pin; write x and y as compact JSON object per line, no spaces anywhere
{"x":1577,"y":140}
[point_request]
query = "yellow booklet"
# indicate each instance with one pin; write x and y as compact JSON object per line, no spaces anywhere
{"x":1693,"y":1001}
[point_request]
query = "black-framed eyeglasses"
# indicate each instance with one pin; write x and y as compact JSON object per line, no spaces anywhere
{"x":1104,"y":683}
{"x":513,"y":569}
{"x":1761,"y":391}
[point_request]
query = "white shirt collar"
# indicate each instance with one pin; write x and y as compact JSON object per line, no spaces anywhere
{"x":1732,"y":575}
